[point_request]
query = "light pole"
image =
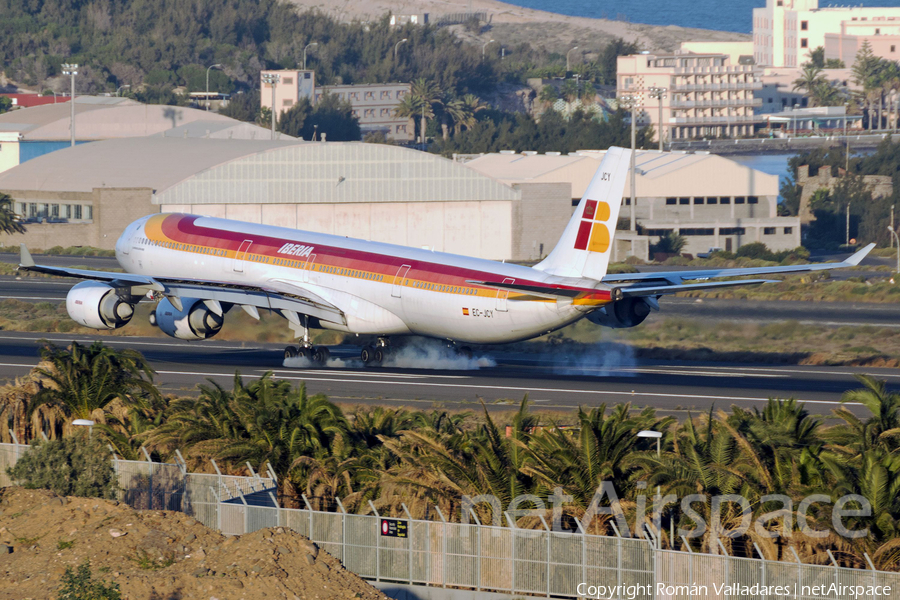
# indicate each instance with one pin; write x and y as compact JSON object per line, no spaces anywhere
{"x":659,"y":93}
{"x":272,"y":79}
{"x":846,"y":140}
{"x":848,"y":224}
{"x":121,"y":87}
{"x":567,"y":59}
{"x":215,"y":66}
{"x":85,"y":423}
{"x":397,"y":45}
{"x":71,"y":69}
{"x":892,"y":223}
{"x":657,"y":436}
{"x":894,"y":234}
{"x":483,"y":46}
{"x":309,"y":45}
{"x":633,"y":102}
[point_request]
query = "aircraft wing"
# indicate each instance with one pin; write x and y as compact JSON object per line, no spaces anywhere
{"x":290,"y":299}
{"x":676,"y":277}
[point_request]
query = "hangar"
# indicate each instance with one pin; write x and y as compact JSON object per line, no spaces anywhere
{"x":370,"y":191}
{"x":27,"y":133}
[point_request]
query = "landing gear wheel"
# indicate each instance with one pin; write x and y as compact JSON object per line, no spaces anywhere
{"x":320,"y":355}
{"x":290,"y":352}
{"x":380,"y":354}
{"x":305,"y":352}
{"x":367,"y":355}
{"x":466,"y":352}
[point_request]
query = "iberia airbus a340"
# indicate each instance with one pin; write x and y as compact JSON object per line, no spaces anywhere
{"x":198,"y":268}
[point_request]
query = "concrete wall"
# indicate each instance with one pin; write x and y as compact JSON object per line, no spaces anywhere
{"x":539,"y":218}
{"x":482,"y":229}
{"x":113,"y":209}
{"x":878,"y":185}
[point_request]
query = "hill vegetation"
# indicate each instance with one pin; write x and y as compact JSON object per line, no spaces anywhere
{"x":428,"y":458}
{"x":869,"y":217}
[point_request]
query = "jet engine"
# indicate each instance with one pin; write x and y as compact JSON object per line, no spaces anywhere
{"x":195,"y":321}
{"x":629,"y":312}
{"x":96,"y":305}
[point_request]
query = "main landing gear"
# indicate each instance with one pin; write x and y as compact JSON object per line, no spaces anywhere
{"x":318,"y":355}
{"x":373,"y":356}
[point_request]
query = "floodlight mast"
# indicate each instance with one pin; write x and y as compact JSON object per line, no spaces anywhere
{"x":71,"y":69}
{"x":272,"y":79}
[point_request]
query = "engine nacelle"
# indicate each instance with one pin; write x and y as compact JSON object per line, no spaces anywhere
{"x":629,"y":312}
{"x":96,"y":305}
{"x":194,"y":322}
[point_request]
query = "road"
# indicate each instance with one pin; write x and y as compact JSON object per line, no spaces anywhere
{"x":552,"y":382}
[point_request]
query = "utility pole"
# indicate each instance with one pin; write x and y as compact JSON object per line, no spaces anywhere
{"x":272,"y":79}
{"x":848,"y":223}
{"x":71,"y":69}
{"x":397,"y":45}
{"x":633,"y":102}
{"x":207,"y":83}
{"x":892,"y":224}
{"x":567,"y":59}
{"x":659,"y":93}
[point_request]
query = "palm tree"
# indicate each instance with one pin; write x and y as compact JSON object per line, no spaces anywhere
{"x":549,"y":94}
{"x":9,"y":222}
{"x":463,"y":111}
{"x":810,"y":78}
{"x":865,"y":72}
{"x":420,"y":102}
{"x":569,"y":90}
{"x":84,"y":380}
{"x":881,"y":430}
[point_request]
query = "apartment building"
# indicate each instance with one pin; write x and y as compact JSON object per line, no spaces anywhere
{"x":373,"y":104}
{"x":882,"y":33}
{"x":785,"y":31}
{"x":707,"y":95}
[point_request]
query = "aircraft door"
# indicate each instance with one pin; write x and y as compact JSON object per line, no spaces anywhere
{"x":502,"y":296}
{"x":240,"y":256}
{"x":399,"y":278}
{"x":310,"y":265}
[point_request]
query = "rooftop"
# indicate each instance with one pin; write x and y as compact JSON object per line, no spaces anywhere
{"x":101,"y":117}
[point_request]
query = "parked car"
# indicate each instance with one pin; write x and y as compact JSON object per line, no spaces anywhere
{"x":709,"y":252}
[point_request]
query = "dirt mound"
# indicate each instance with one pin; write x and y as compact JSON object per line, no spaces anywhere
{"x":157,"y":554}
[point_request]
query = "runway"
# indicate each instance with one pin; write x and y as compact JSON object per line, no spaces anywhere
{"x":552,"y":382}
{"x":832,"y":314}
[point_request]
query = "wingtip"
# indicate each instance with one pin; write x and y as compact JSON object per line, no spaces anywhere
{"x":25,"y":259}
{"x":859,"y":255}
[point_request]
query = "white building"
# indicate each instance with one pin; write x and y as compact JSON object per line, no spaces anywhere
{"x":785,"y":31}
{"x":712,"y":201}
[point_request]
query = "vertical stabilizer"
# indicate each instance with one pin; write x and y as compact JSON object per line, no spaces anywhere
{"x":586,"y":244}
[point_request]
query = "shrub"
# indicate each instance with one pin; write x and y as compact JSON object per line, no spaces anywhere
{"x":670,"y":243}
{"x":80,"y":585}
{"x":73,"y":466}
{"x":756,"y":250}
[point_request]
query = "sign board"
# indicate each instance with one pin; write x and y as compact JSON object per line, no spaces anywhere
{"x":394,"y":528}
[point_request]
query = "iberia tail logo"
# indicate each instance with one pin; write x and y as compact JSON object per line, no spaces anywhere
{"x":593,"y":232}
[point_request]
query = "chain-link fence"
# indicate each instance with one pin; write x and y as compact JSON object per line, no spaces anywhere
{"x":480,"y":557}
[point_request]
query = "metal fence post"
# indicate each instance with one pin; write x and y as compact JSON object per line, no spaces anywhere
{"x":618,"y":555}
{"x":277,"y":509}
{"x":763,"y":574}
{"x":149,"y":460}
{"x":409,"y":540}
{"x":218,"y":509}
{"x":690,"y":564}
{"x":377,"y":542}
{"x":246,"y":512}
{"x":549,"y":542}
{"x":799,"y":568}
{"x":310,"y":511}
{"x":512,"y":528}
{"x":583,"y":534}
{"x":437,"y":509}
{"x":477,"y":550}
{"x":343,"y":531}
{"x":727,"y":561}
